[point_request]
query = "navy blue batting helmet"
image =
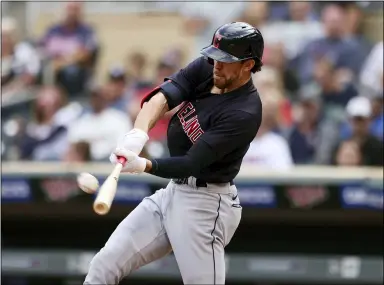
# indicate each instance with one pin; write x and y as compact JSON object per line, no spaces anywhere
{"x":235,"y":41}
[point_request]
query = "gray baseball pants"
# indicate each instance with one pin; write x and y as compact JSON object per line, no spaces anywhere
{"x":195,"y":222}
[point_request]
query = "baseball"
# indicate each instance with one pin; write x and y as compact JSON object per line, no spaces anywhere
{"x":87,"y":182}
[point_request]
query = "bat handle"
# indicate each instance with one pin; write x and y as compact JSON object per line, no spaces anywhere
{"x":122,"y":160}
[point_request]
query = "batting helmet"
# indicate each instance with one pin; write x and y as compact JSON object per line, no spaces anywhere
{"x":235,"y":41}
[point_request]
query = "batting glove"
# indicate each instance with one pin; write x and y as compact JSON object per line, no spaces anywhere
{"x":134,"y":141}
{"x":134,"y":164}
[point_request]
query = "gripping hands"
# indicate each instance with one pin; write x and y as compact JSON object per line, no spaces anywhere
{"x":130,"y":146}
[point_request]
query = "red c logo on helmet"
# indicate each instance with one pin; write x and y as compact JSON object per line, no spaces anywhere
{"x":217,"y":40}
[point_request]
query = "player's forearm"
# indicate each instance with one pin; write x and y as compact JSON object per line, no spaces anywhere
{"x":173,"y":167}
{"x":151,"y":112}
{"x":191,"y":164}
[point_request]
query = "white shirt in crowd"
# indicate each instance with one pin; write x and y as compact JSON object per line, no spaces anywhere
{"x":24,"y":60}
{"x":271,"y":151}
{"x":372,"y":71}
{"x":101,"y":131}
{"x":54,"y":149}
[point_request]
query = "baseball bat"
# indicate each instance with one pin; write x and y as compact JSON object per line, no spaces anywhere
{"x":107,"y":191}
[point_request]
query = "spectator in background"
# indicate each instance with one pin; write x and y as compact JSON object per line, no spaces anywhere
{"x":45,"y":138}
{"x":297,"y":27}
{"x":287,"y":11}
{"x":335,"y":47}
{"x":164,"y":69}
{"x":312,"y":138}
{"x":377,"y":118}
{"x":72,"y":47}
{"x":348,"y":154}
{"x":20,"y":62}
{"x":201,"y":18}
{"x":117,"y":91}
{"x":301,"y":11}
{"x":336,"y":85}
{"x":371,"y":76}
{"x":278,"y":10}
{"x":354,"y":25}
{"x":274,"y":57}
{"x":377,"y":125}
{"x":359,"y":111}
{"x":255,"y":13}
{"x":101,"y":127}
{"x":269,"y":149}
{"x":136,"y":66}
{"x":78,"y":152}
{"x":174,"y":57}
{"x":269,"y":80}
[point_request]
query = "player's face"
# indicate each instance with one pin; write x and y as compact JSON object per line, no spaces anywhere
{"x":228,"y":75}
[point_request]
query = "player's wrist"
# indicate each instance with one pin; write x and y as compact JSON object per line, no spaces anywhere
{"x":148,"y":166}
{"x":140,"y":132}
{"x":141,"y":164}
{"x":135,"y":140}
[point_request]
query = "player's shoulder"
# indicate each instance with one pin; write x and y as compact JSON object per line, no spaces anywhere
{"x":194,"y":74}
{"x":248,"y":101}
{"x":200,"y":66}
{"x":247,"y":111}
{"x":242,"y":110}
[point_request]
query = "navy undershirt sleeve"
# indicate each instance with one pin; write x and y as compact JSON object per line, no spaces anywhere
{"x":198,"y":157}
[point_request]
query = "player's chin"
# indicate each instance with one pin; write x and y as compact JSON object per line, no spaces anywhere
{"x":219,"y":82}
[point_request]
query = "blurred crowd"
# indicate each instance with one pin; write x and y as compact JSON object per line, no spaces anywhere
{"x":321,"y":86}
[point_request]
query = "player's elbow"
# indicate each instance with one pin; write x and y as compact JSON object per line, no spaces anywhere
{"x":185,"y":167}
{"x":193,"y":167}
{"x":194,"y":171}
{"x":157,"y":102}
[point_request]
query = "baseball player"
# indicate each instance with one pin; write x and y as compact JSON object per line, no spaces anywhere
{"x":198,"y":212}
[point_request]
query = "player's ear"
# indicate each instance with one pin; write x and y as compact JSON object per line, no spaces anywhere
{"x":249,"y":64}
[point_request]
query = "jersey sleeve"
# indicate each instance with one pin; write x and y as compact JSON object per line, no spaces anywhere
{"x":232,"y":131}
{"x":181,"y":85}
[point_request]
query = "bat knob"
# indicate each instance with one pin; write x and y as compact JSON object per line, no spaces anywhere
{"x":121,"y":159}
{"x":101,"y":208}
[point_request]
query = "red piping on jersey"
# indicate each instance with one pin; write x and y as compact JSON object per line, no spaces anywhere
{"x":150,"y":94}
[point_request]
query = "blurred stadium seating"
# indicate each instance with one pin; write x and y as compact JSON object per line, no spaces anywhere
{"x":311,"y":182}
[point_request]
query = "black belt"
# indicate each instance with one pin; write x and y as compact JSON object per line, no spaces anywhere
{"x":199,"y":182}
